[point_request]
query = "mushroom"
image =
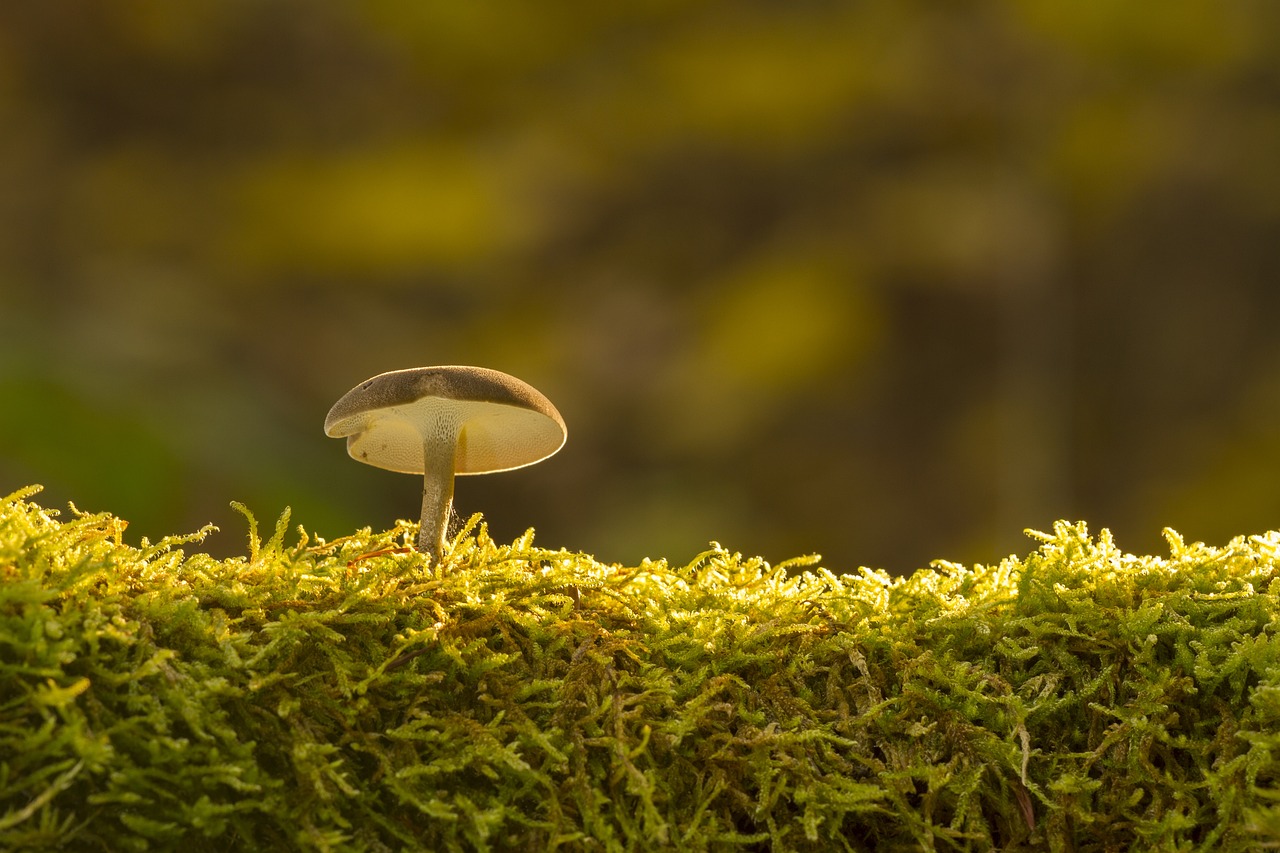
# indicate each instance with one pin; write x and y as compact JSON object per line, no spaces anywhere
{"x":444,"y":421}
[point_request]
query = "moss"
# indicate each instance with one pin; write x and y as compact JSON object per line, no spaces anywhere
{"x":341,"y":695}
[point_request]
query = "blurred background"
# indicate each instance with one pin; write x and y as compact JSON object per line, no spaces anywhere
{"x":884,"y":281}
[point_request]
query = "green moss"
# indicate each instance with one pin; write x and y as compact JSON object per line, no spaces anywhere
{"x":343,"y":696}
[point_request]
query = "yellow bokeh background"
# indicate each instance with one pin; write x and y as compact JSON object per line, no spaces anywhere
{"x":888,"y":282}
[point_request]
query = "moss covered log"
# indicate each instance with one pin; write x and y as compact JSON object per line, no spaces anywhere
{"x":343,"y":695}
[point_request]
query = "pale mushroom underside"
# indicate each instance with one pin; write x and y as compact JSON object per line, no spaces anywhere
{"x":490,"y":437}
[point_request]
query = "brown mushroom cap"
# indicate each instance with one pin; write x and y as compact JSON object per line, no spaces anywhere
{"x":498,"y":422}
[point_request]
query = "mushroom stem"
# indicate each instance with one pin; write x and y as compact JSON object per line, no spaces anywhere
{"x":437,"y":494}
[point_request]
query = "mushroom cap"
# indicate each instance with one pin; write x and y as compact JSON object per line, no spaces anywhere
{"x":497,"y":421}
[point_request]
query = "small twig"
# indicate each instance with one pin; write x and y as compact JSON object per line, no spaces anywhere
{"x":352,"y":562}
{"x":405,"y":658}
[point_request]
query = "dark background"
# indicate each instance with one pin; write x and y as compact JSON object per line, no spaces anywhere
{"x":887,"y":282}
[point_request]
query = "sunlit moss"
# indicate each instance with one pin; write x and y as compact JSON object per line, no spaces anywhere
{"x":343,"y":695}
